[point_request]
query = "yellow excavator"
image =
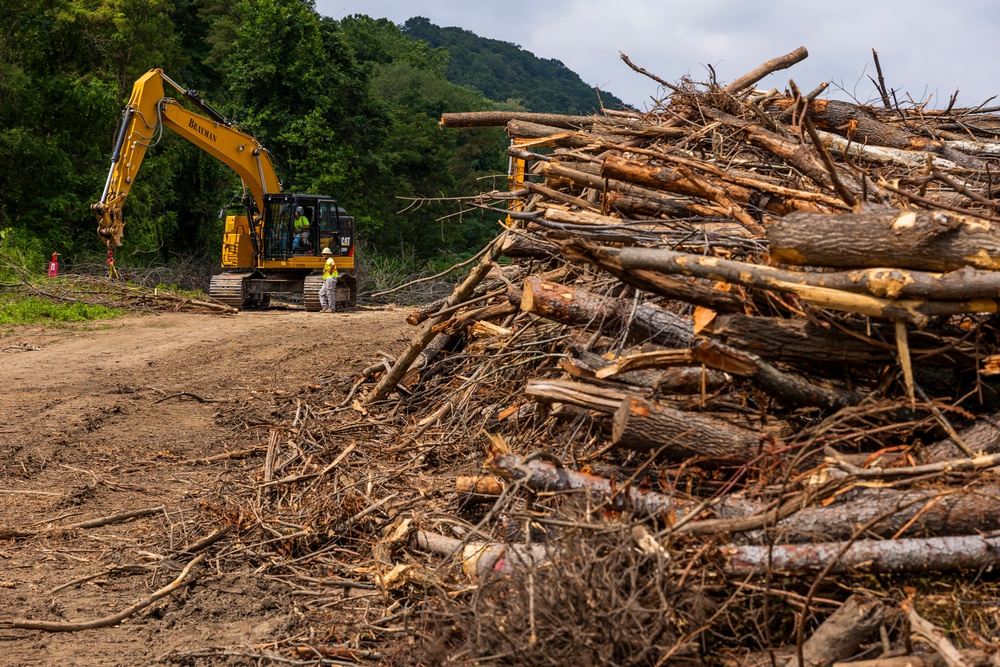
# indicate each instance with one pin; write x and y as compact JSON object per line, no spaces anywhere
{"x":276,"y":247}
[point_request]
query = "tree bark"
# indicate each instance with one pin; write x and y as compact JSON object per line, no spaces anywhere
{"x":860,"y":126}
{"x":922,"y":240}
{"x":891,"y":283}
{"x":646,"y":425}
{"x":581,"y":308}
{"x":806,"y":345}
{"x":650,"y":281}
{"x":786,"y":386}
{"x":500,"y":118}
{"x":925,"y":512}
{"x":522,"y":245}
{"x":771,"y":66}
{"x":661,"y":177}
{"x":541,"y":476}
{"x":933,"y":554}
{"x":660,"y":206}
{"x":840,"y":635}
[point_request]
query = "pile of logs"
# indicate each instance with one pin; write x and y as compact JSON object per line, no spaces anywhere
{"x":756,"y":328}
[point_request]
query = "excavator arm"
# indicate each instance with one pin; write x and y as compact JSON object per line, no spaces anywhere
{"x":148,"y":111}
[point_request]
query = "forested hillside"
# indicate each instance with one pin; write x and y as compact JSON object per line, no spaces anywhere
{"x":505,"y":71}
{"x":347,"y":108}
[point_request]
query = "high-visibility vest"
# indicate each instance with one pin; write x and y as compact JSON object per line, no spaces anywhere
{"x":330,"y":269}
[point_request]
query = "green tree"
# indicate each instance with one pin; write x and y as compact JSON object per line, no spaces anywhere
{"x":62,"y":67}
{"x":422,"y":160}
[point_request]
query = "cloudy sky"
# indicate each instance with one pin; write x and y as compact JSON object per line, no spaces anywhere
{"x":926,"y":48}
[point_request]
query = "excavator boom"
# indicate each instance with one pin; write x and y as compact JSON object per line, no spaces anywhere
{"x":148,"y":111}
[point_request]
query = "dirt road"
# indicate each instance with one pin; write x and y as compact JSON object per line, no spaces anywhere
{"x":105,"y":418}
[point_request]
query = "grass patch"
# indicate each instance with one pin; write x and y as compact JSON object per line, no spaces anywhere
{"x":32,"y":310}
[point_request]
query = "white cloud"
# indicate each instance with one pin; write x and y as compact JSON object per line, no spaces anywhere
{"x":925,"y":47}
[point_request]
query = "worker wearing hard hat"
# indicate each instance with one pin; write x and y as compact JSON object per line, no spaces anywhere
{"x":328,"y":292}
{"x":300,"y":228}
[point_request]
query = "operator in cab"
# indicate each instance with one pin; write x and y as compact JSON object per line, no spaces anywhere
{"x":328,"y":292}
{"x":300,"y":242}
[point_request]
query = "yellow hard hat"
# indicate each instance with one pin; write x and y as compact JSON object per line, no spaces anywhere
{"x":327,"y":251}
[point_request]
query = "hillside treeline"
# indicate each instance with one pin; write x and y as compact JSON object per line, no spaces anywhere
{"x":505,"y":71}
{"x":347,"y":108}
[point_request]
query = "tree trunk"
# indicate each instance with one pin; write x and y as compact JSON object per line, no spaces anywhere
{"x":840,"y":635}
{"x":662,"y":177}
{"x":924,"y":512}
{"x":933,"y":554}
{"x":922,"y":240}
{"x":860,"y":126}
{"x":522,"y":245}
{"x":650,"y":281}
{"x":891,"y":283}
{"x":806,"y":345}
{"x":581,"y":308}
{"x":500,"y":118}
{"x":786,"y":386}
{"x":542,"y":476}
{"x":645,"y":425}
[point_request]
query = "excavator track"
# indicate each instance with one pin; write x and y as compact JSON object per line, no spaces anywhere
{"x":310,"y":293}
{"x":230,"y":289}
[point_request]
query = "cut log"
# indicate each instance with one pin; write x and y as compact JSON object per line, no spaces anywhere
{"x":650,"y":426}
{"x":860,"y":126}
{"x":892,"y":283}
{"x":650,"y":281}
{"x":659,"y":206}
{"x":933,"y":554}
{"x":840,"y":635}
{"x":926,"y":512}
{"x":478,"y":485}
{"x":808,"y":346}
{"x":481,"y":558}
{"x":982,"y":437}
{"x":501,"y":118}
{"x":669,"y":178}
{"x":673,"y":374}
{"x":520,"y":245}
{"x":581,"y":308}
{"x":541,"y":476}
{"x":770,"y":67}
{"x":922,"y":240}
{"x":791,"y":388}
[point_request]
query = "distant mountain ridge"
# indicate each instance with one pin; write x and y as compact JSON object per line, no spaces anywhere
{"x":503,"y":71}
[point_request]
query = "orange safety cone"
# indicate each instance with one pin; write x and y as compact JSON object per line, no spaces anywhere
{"x":54,"y":265}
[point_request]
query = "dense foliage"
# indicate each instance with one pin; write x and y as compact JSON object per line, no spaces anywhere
{"x":347,"y":108}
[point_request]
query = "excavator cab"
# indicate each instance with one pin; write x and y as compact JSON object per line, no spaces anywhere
{"x":302,"y":225}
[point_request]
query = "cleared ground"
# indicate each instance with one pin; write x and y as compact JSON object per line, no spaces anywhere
{"x":105,"y":418}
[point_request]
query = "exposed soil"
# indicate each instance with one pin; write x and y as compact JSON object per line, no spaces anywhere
{"x":105,"y":418}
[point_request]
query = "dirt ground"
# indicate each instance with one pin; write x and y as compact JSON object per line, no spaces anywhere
{"x":110,"y":417}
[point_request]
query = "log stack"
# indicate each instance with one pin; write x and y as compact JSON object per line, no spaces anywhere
{"x":754,"y":327}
